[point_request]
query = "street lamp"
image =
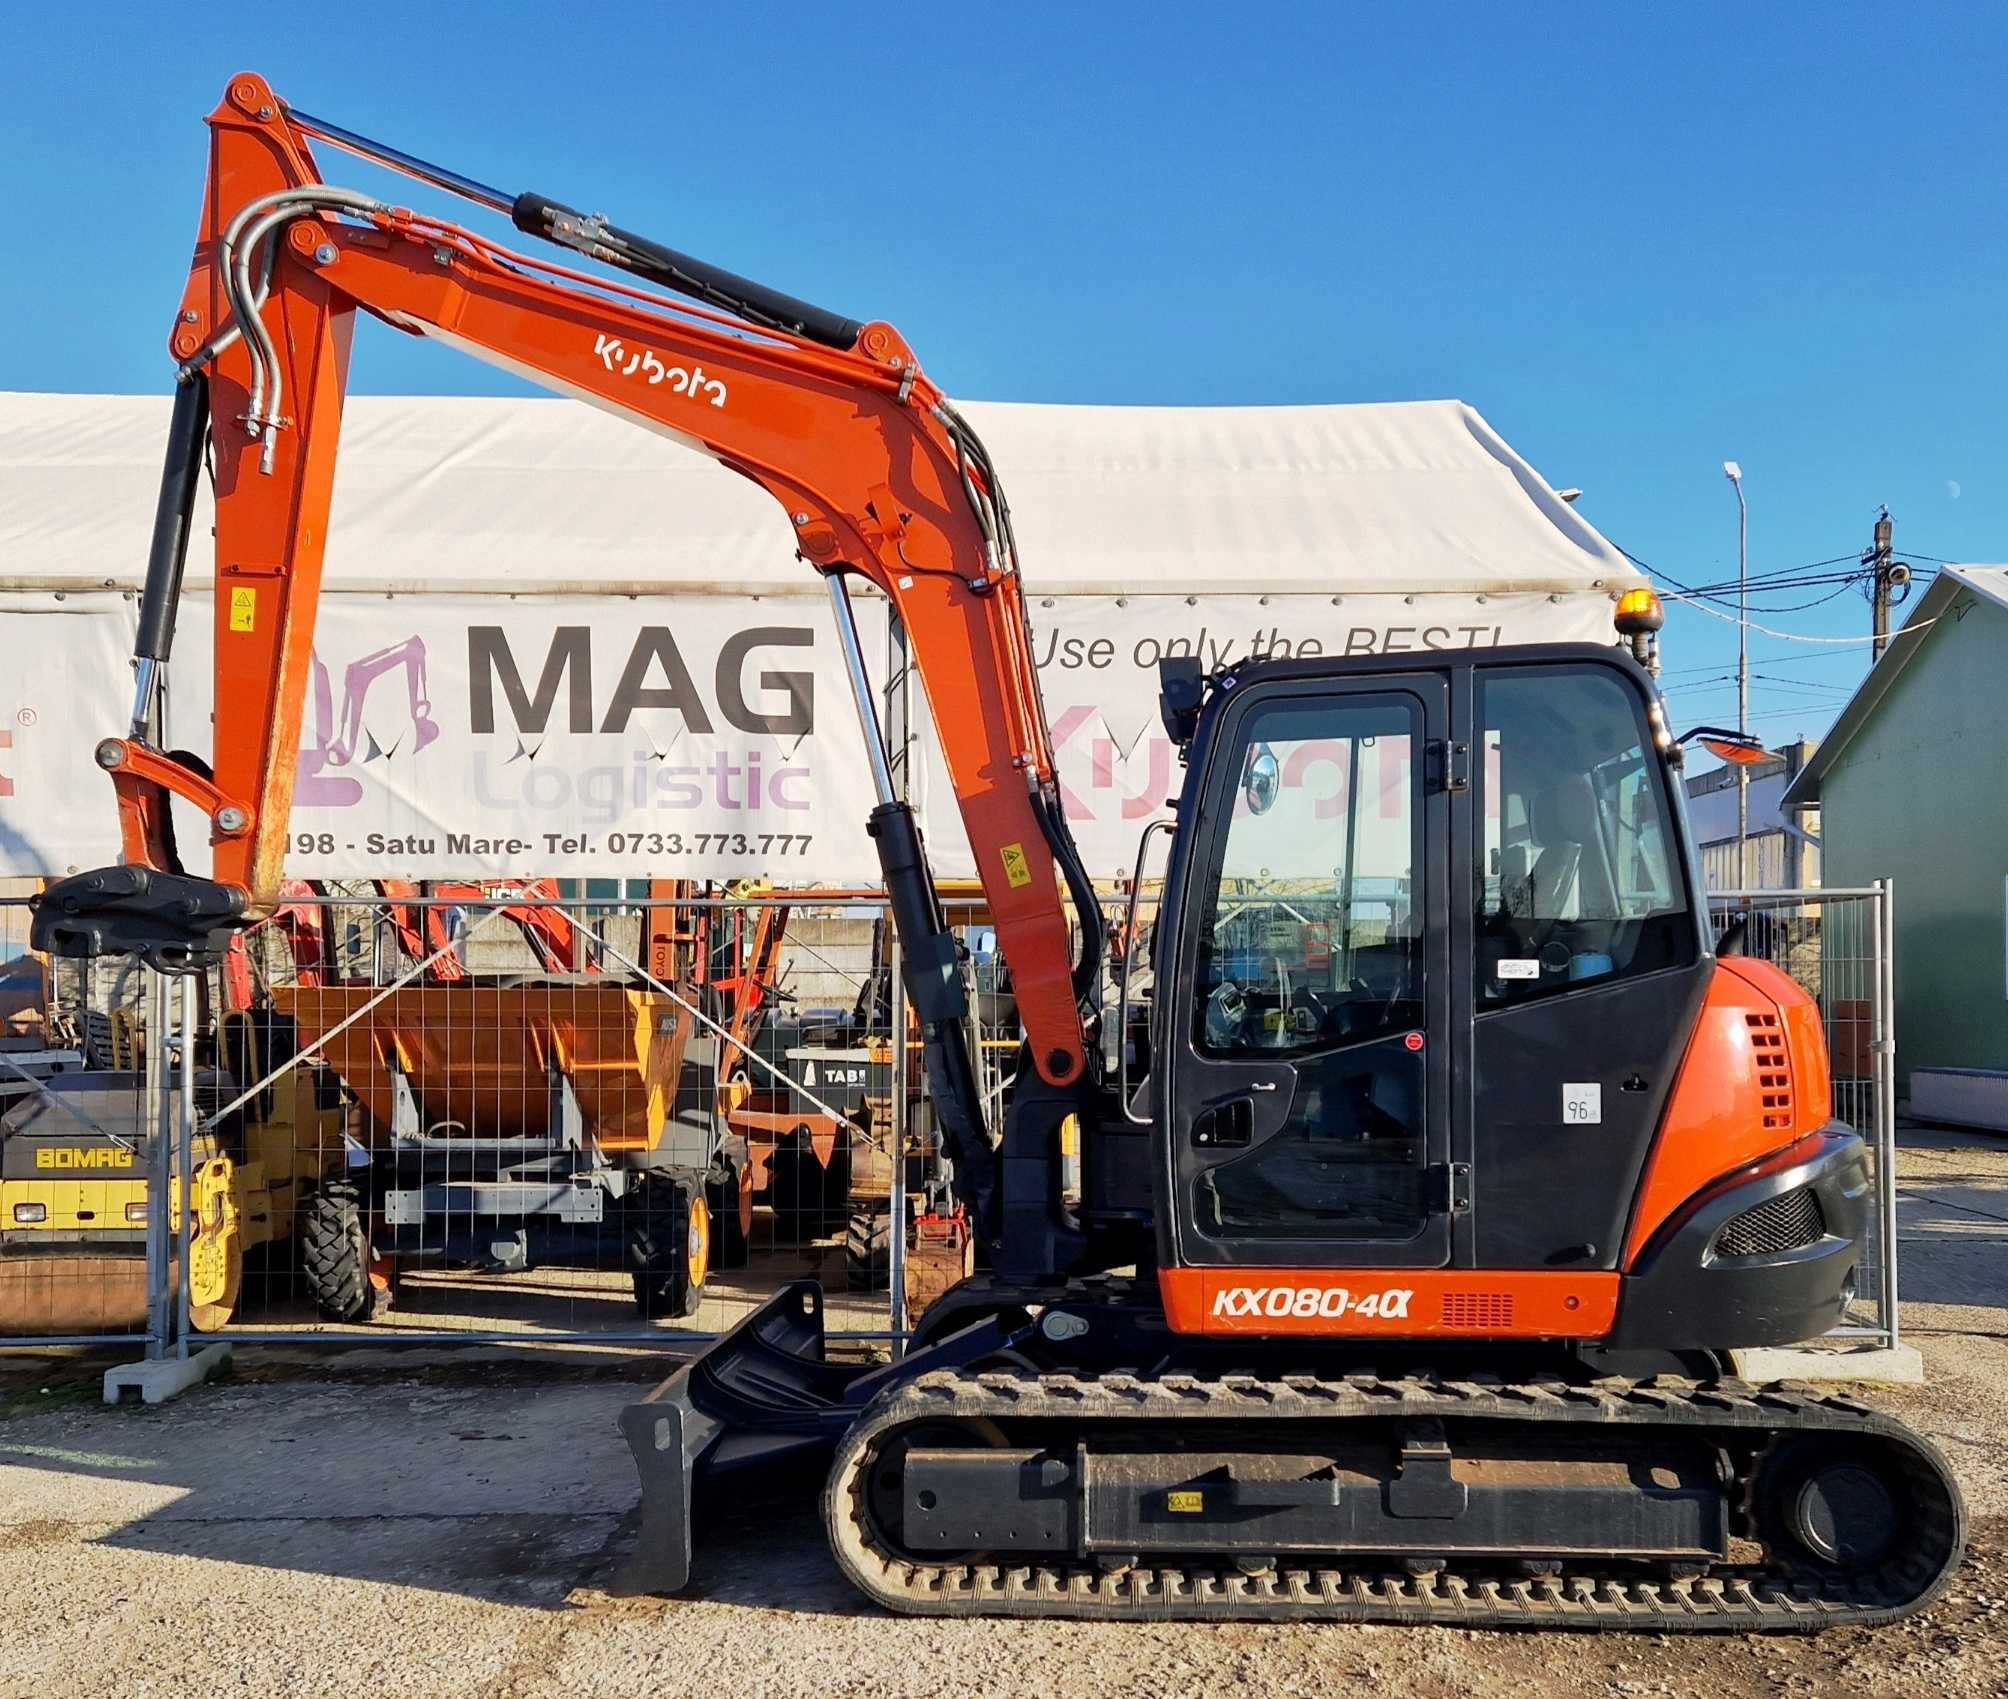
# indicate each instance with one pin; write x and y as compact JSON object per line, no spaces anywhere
{"x":1734,"y":473}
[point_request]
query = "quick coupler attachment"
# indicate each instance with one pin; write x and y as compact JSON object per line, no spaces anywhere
{"x":173,"y":922}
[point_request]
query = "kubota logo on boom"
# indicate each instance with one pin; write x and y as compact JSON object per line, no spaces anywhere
{"x":1302,"y":1302}
{"x":682,"y":380}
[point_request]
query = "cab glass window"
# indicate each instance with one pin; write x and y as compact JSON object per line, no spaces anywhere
{"x":1312,"y":919}
{"x":1578,"y":871}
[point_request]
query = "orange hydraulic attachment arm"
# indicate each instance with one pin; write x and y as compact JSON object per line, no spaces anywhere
{"x":876,"y":472}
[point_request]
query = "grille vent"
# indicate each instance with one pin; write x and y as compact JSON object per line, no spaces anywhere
{"x":1478,"y":1309}
{"x":1787,"y":1223}
{"x":1774,"y":1071}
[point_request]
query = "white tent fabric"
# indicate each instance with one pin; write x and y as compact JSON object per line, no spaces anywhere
{"x":555,"y":644}
{"x":443,"y":494}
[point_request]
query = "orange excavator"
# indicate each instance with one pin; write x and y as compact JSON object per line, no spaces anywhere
{"x":421,"y":929}
{"x":1399,"y":1286}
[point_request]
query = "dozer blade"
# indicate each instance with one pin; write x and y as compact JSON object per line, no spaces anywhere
{"x":758,"y":1398}
{"x":760,"y":1402}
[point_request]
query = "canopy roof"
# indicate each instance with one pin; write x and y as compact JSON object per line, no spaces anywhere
{"x":487,"y":495}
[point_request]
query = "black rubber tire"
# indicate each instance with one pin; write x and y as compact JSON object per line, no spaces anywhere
{"x":868,"y":1250}
{"x":335,"y":1253}
{"x":729,"y":1245}
{"x":810,"y":1201}
{"x":668,"y":1280}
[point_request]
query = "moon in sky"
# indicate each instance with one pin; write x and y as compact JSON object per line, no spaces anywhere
{"x":1952,"y":488}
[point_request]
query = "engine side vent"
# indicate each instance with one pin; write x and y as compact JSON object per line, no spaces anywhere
{"x":1786,"y":1223}
{"x":1774,"y":1070}
{"x":1478,"y":1309}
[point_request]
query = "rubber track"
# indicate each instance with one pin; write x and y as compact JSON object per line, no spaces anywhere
{"x":1474,"y":1593}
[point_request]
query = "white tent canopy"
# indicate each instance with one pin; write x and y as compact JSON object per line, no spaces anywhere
{"x":472,"y":495}
{"x":588,"y":649}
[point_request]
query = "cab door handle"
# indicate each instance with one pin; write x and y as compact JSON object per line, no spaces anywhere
{"x":1262,"y":1085}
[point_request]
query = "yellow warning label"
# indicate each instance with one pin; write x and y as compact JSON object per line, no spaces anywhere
{"x":1016,"y":868}
{"x":1185,"y":1501}
{"x":243,"y":610}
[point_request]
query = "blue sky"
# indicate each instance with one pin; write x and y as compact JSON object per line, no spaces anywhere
{"x":1640,"y":240}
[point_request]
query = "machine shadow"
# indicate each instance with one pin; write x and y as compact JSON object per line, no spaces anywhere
{"x":1954,"y":1211}
{"x":502,"y":1483}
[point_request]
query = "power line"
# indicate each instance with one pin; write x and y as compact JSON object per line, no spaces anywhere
{"x":1799,"y":636}
{"x":1840,"y":589}
{"x":1772,"y":579}
{"x":1761,"y":660}
{"x":1699,"y":598}
{"x":1803,"y":683}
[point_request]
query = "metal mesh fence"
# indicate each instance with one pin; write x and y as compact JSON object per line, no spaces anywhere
{"x":1836,"y":944}
{"x":498,"y":1114}
{"x":82,"y":1110}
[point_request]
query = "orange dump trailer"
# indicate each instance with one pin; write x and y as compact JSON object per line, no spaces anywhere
{"x":546,"y":1122}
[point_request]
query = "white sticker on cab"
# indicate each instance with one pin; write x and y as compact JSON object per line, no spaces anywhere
{"x":1519,"y":967}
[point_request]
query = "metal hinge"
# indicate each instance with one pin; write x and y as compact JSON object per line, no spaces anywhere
{"x":1452,"y":762}
{"x":1447,"y":1188}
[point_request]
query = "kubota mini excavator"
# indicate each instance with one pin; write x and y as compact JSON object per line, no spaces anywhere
{"x":1398,"y":1290}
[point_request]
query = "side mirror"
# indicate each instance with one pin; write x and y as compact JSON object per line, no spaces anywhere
{"x":1738,"y":748}
{"x":1261,"y":779}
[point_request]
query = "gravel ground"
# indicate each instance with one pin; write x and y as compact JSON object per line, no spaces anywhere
{"x":372,"y":1523}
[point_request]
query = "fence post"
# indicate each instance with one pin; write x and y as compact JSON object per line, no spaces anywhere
{"x":1886,"y":1099}
{"x":159,"y":1149}
{"x":184,"y":1153}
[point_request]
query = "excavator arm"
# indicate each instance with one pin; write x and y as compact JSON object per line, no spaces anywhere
{"x":876,"y":473}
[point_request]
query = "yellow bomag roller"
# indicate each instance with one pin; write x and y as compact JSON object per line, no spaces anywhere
{"x":73,"y":1208}
{"x":74,"y":1166}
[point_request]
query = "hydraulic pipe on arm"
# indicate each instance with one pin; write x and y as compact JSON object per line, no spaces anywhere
{"x":878,"y":475}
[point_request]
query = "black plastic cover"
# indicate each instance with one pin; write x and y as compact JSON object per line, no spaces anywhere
{"x":1181,"y":692}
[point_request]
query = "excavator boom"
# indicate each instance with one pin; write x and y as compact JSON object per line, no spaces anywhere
{"x":875,"y":472}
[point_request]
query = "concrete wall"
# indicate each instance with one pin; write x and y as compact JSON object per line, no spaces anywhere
{"x":825,"y":958}
{"x":1920,"y":795}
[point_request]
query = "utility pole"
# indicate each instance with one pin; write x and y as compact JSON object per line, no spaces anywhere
{"x":1734,"y":473}
{"x":1888,"y":576}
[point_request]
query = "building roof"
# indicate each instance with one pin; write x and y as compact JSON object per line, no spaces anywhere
{"x":1988,"y":583}
{"x":498,"y":496}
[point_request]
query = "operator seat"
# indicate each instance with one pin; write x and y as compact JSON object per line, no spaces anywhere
{"x":1571,"y":876}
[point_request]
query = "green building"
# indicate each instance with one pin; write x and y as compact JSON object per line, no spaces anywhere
{"x":1912,"y":785}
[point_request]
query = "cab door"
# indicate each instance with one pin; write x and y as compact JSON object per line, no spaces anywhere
{"x":1588,"y":961}
{"x":1308,"y":1098}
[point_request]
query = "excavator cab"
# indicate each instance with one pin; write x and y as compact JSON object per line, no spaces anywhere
{"x":1464,"y":863}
